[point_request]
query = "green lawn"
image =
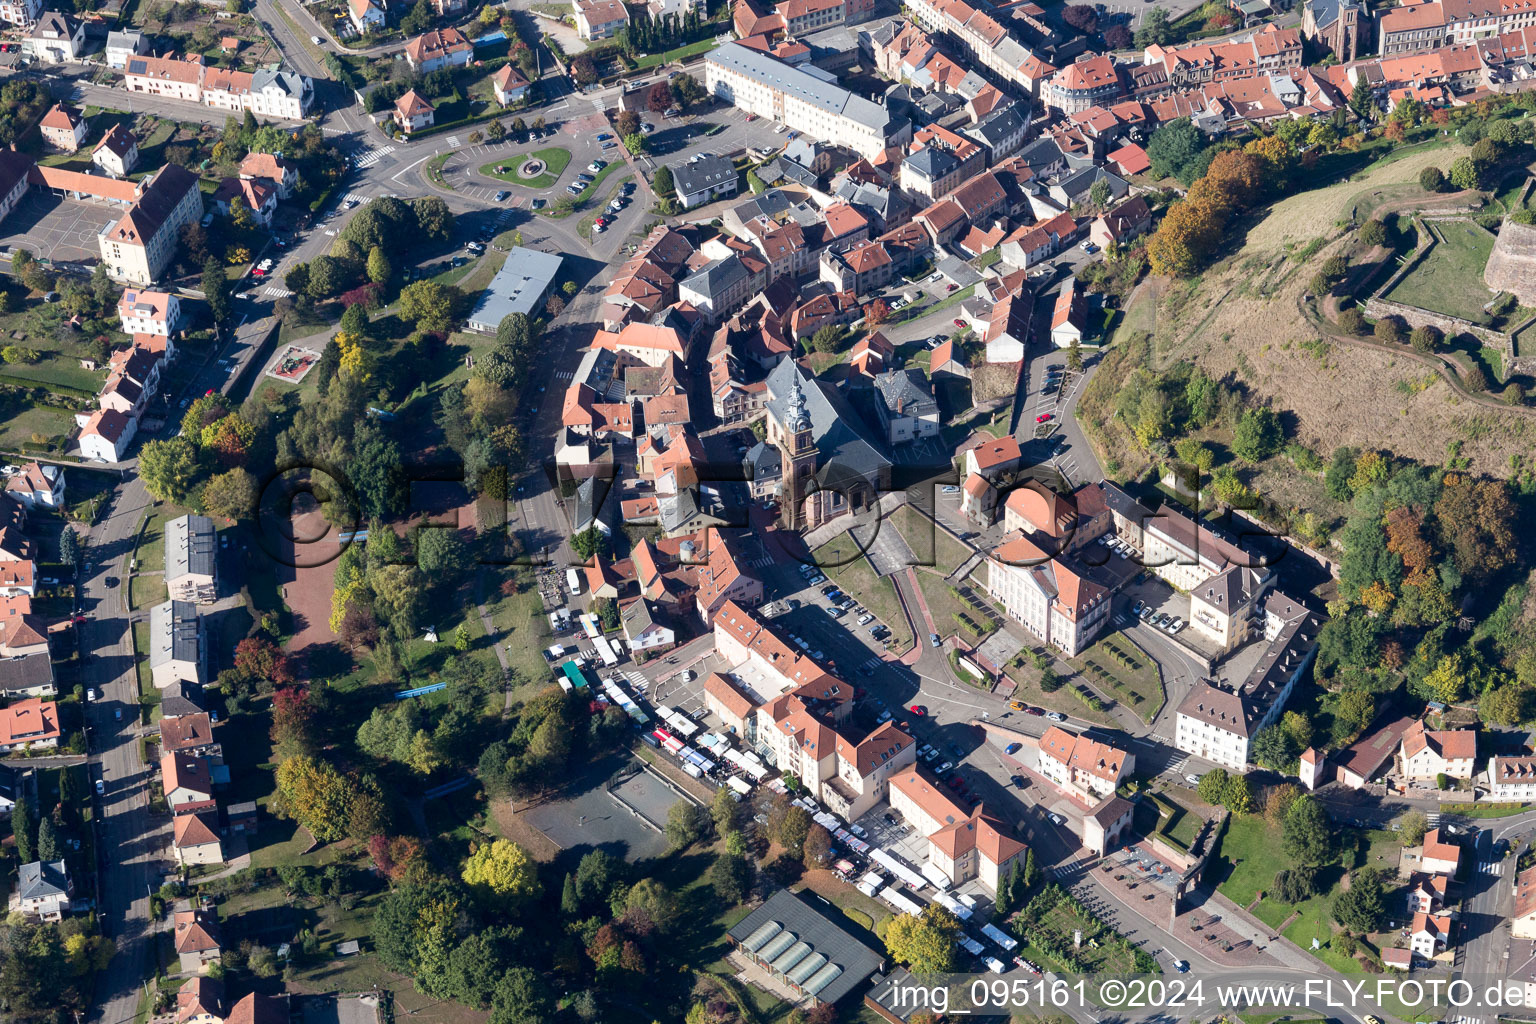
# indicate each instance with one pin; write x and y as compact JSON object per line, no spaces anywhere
{"x":947,"y":554}
{"x":46,"y":421}
{"x":1134,"y":684}
{"x":555,"y":158}
{"x":522,"y":628}
{"x":146,"y":591}
{"x":1449,"y":278}
{"x":680,"y":53}
{"x":843,"y":562}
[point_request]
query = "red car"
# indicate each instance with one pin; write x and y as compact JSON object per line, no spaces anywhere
{"x":959,"y":323}
{"x":1043,"y":417}
{"x":918,"y":709}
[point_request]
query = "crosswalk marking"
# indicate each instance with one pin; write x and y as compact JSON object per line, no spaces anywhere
{"x":761,"y":563}
{"x":358,"y":197}
{"x":276,"y":291}
{"x":453,"y":142}
{"x":373,"y":156}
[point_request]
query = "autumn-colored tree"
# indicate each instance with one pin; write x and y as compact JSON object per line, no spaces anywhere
{"x":1276,"y":158}
{"x":503,"y":869}
{"x":1405,"y":538}
{"x":1377,"y":597}
{"x":294,"y":730}
{"x":1238,"y":176}
{"x":876,"y":313}
{"x":313,"y":793}
{"x":1476,"y":522}
{"x":260,"y":658}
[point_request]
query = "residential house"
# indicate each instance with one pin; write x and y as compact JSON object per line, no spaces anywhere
{"x":121,"y":45}
{"x":1105,"y":824}
{"x":413,"y":113}
{"x":273,"y":171}
{"x":1512,"y":779}
{"x":259,"y":1009}
{"x":1429,"y":753}
{"x":27,"y":670}
{"x":200,"y":1000}
{"x":439,"y":48}
{"x":1090,"y":82}
{"x":31,"y":724}
{"x":905,"y":405}
{"x":255,"y":194}
{"x":190,"y":734}
{"x":646,"y":626}
{"x":1429,"y":934}
{"x":196,"y":937}
{"x":993,"y":458}
{"x":1070,"y":317}
{"x":195,"y":840}
{"x":600,"y":19}
{"x":177,"y":644}
{"x":1120,"y":225}
{"x":191,"y":559}
{"x":147,"y":312}
{"x":118,"y":151}
{"x":43,"y":890}
{"x":1426,"y":893}
{"x":37,"y":485}
{"x":1437,"y":856}
{"x":188,"y":782}
{"x":63,"y":128}
{"x":703,"y":178}
{"x":365,"y":15}
{"x":56,"y":38}
{"x":509,"y":85}
{"x":21,"y":13}
{"x":1082,"y":765}
{"x":1522,"y":918}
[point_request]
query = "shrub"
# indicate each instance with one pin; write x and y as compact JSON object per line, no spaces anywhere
{"x":1351,"y":322}
{"x":1431,"y":179}
{"x":1425,"y":339}
{"x":1389,"y":330}
{"x":1514,"y":394}
{"x":1474,"y":378}
{"x":1373,"y":232}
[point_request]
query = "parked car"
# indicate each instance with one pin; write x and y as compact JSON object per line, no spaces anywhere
{"x":92,"y":694}
{"x":918,"y":709}
{"x":959,"y":322}
{"x":865,"y":619}
{"x":1136,"y":608}
{"x":1033,"y":711}
{"x":1056,"y":716}
{"x":934,"y":641}
{"x":1044,"y":417}
{"x":1193,"y":780}
{"x":950,"y":489}
{"x":1057,"y":819}
{"x":502,"y":196}
{"x":1012,"y":748}
{"x":101,"y":787}
{"x":1019,"y":781}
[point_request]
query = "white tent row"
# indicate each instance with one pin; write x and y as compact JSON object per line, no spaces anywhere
{"x":747,"y":763}
{"x":827,"y":820}
{"x":1000,"y":937}
{"x":900,"y":901}
{"x":954,"y":906}
{"x":936,"y":875}
{"x":897,"y":868}
{"x":739,"y":784}
{"x":851,"y":841}
{"x":868,"y":889}
{"x":970,"y":945}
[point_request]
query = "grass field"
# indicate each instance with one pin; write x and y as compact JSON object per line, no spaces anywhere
{"x":522,"y":627}
{"x":556,"y":159}
{"x":1449,"y":277}
{"x":45,"y":420}
{"x":842,"y":561}
{"x":1136,"y":685}
{"x":680,"y":53}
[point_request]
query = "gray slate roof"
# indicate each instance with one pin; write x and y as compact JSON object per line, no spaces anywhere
{"x":189,"y":546}
{"x":802,"y":85}
{"x":834,"y":425}
{"x":905,"y":393}
{"x":18,"y":674}
{"x":41,"y":879}
{"x":847,"y":959}
{"x":175,"y":633}
{"x":716,"y":278}
{"x":702,"y":174}
{"x":518,"y":287}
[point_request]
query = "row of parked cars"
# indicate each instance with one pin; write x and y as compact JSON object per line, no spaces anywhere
{"x":840,"y":604}
{"x":1169,"y":624}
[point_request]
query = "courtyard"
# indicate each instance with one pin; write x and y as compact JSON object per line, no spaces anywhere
{"x":1448,"y":278}
{"x":61,"y":230}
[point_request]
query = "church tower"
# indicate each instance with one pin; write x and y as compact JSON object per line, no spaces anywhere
{"x":798,"y":449}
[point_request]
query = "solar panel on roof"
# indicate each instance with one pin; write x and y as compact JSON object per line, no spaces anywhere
{"x":791,"y":956}
{"x":821,"y":979}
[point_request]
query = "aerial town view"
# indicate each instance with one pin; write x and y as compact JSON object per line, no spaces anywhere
{"x":734,"y":512}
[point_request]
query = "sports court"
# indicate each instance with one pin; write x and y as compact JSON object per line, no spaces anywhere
{"x":633,"y":814}
{"x":61,"y":230}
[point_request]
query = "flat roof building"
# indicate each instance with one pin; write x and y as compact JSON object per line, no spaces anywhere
{"x":518,"y":287}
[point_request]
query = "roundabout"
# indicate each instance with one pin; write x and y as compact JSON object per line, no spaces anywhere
{"x":539,"y":169}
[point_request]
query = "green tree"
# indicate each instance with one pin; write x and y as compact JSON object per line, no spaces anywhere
{"x":1213,"y":786}
{"x":687,"y":823}
{"x":169,"y":469}
{"x":1075,"y":350}
{"x":1258,"y":435}
{"x":724,"y":810}
{"x":661,"y":182}
{"x":69,"y":547}
{"x":1173,"y":149}
{"x":1361,"y":907}
{"x":1306,"y":835}
{"x":1464,"y":173}
{"x":1411,"y":828}
{"x":50,"y":846}
{"x":588,"y":542}
{"x":1425,"y":339}
{"x":24,"y":830}
{"x":636,"y":143}
{"x":429,"y":305}
{"x":731,"y":877}
{"x":379,"y":270}
{"x":231,"y":495}
{"x":926,"y":941}
{"x":793,"y":830}
{"x":215,"y":286}
{"x":441,"y":554}
{"x":313,"y":793}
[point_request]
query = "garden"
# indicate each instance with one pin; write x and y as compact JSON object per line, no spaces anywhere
{"x":1117,"y":666}
{"x":539,"y":169}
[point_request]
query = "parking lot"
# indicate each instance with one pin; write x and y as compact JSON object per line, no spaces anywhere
{"x":61,"y":230}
